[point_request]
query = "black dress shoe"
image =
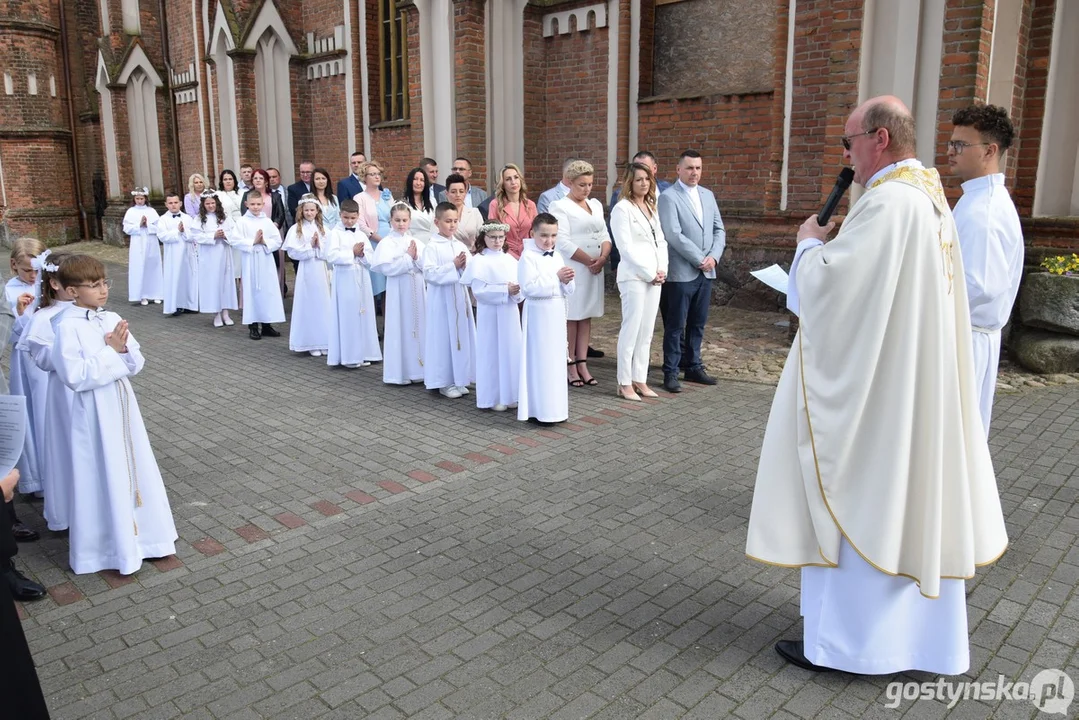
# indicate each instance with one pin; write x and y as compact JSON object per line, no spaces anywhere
{"x":21,"y":533}
{"x":268,"y":330}
{"x":22,"y":587}
{"x":595,"y":353}
{"x":178,"y":313}
{"x":671,"y":384}
{"x":253,"y":332}
{"x":793,"y":651}
{"x":699,"y":376}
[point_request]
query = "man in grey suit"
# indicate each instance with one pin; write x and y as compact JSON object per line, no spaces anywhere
{"x":463,"y":167}
{"x":558,"y":192}
{"x":695,"y":238}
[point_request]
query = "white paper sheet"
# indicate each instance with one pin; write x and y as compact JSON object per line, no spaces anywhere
{"x":773,"y":276}
{"x":12,"y":431}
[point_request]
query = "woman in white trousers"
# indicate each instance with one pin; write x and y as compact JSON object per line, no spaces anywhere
{"x":641,"y":271}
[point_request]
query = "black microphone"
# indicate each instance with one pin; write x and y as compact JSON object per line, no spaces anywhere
{"x":846,"y":176}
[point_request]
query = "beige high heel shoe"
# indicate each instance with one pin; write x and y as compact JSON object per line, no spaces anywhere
{"x":644,"y":391}
{"x":632,"y":396}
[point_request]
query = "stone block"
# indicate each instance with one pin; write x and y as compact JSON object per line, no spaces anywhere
{"x":1051,"y":302}
{"x":1046,"y":352}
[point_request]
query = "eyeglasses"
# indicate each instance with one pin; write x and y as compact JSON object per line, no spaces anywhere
{"x":958,"y":146}
{"x":847,"y":138}
{"x":99,"y":285}
{"x":459,"y":170}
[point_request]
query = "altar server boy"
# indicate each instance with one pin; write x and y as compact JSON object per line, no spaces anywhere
{"x":353,"y":334}
{"x":545,"y":282}
{"x":305,"y":244}
{"x":176,"y":231}
{"x":451,"y":330}
{"x":145,"y":281}
{"x":258,"y":239}
{"x":120,"y":514}
{"x":398,"y":258}
{"x":21,"y":292}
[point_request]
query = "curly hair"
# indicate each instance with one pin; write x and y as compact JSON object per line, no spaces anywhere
{"x":990,"y":120}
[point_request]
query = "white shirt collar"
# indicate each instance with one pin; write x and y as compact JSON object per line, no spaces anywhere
{"x":564,"y":186}
{"x":692,"y":190}
{"x":912,"y":162}
{"x":984,"y":182}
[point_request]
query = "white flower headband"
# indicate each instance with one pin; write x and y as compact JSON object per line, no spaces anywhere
{"x":309,"y":199}
{"x":208,"y":194}
{"x":39,"y":263}
{"x":494,"y":227}
{"x":144,"y":191}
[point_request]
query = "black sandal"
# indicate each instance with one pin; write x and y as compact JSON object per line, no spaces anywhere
{"x":576,"y":382}
{"x":590,"y":381}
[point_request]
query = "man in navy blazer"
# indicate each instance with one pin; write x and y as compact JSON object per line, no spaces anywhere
{"x":301,"y":187}
{"x":351,"y":186}
{"x":695,"y":238}
{"x":430,"y":166}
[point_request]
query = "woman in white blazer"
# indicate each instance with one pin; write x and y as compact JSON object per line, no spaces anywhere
{"x":641,"y":271}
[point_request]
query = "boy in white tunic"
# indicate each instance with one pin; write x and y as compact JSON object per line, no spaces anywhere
{"x":120,"y":512}
{"x":145,"y":281}
{"x":398,"y":258}
{"x":305,"y":243}
{"x":451,"y":331}
{"x":545,"y":282}
{"x":353,"y":333}
{"x":176,"y":231}
{"x":258,"y":239}
{"x":990,"y":236}
{"x":21,"y":293}
{"x":492,"y":276}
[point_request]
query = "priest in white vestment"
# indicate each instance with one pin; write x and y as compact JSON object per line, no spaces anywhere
{"x":875,"y":476}
{"x":990,"y":236}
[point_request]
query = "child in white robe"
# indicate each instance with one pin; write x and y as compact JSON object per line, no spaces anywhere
{"x":353,"y":333}
{"x":305,"y":243}
{"x":145,"y":281}
{"x":492,"y":275}
{"x":258,"y":239}
{"x":175,"y":230}
{"x":217,"y":286}
{"x":120,"y":513}
{"x":545,"y":282}
{"x":55,"y":449}
{"x":450,"y":346}
{"x":405,"y":312}
{"x":21,"y":292}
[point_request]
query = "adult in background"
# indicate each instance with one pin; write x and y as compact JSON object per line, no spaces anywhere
{"x":990,"y":236}
{"x":246,"y":171}
{"x":353,"y":184}
{"x":195,"y":185}
{"x":279,"y":190}
{"x":469,"y":218}
{"x":429,"y":166}
{"x":875,"y":476}
{"x":374,"y":219}
{"x":558,"y":192}
{"x":462,"y":167}
{"x":301,"y":187}
{"x":512,"y":207}
{"x":638,"y":235}
{"x":585,"y":245}
{"x":320,"y":180}
{"x":231,"y":202}
{"x":695,"y":238}
{"x":417,"y":195}
{"x":649,"y":160}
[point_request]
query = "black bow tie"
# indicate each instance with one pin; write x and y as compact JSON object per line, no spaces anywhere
{"x":351,"y":229}
{"x":176,"y":215}
{"x":549,"y":253}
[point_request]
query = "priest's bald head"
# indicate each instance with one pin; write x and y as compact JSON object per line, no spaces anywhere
{"x":878,"y":133}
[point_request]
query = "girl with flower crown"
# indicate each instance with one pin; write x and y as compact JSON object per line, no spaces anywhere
{"x":306,"y":243}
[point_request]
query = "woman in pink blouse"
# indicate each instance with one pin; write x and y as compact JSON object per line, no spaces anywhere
{"x":512,"y":207}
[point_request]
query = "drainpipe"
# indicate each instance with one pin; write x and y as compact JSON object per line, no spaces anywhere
{"x":76,"y":167}
{"x":180,"y":186}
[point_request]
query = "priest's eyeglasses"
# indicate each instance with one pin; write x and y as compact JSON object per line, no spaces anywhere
{"x":958,"y":146}
{"x":100,"y":284}
{"x":847,"y":138}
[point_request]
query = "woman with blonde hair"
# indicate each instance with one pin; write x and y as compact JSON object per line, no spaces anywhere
{"x":512,"y":207}
{"x":374,"y":217}
{"x":196,"y":184}
{"x":641,"y":272}
{"x":584,"y":244}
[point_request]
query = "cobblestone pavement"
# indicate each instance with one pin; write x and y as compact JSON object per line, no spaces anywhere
{"x":352,"y":550}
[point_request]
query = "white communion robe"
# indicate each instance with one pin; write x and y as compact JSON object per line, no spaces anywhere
{"x":498,"y":327}
{"x":991,"y":239}
{"x":543,"y":393}
{"x":120,"y":513}
{"x":56,"y":457}
{"x":883,"y":492}
{"x":144,"y":276}
{"x":353,"y":332}
{"x":404,"y":309}
{"x":181,"y":272}
{"x":262,"y":294}
{"x":311,"y":318}
{"x":27,"y":380}
{"x":450,"y":359}
{"x":216,"y":281}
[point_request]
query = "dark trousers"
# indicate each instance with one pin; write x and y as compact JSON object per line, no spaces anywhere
{"x":20,"y":690}
{"x":684,"y":306}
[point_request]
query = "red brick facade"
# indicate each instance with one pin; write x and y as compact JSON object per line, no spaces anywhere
{"x":565,"y":105}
